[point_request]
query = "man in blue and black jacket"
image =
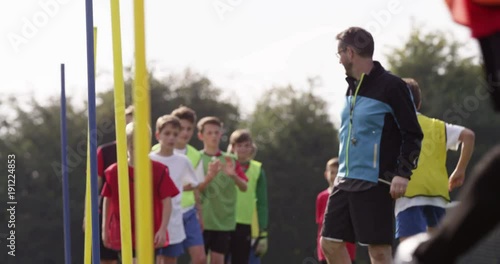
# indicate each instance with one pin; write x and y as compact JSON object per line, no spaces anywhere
{"x":380,"y":141}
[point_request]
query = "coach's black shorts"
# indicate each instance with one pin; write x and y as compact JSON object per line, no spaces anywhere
{"x":217,"y":241}
{"x":365,"y":217}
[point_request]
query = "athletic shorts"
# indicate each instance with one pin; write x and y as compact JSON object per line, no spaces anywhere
{"x":194,"y":234}
{"x":416,"y":219}
{"x":365,"y":217}
{"x":217,"y":241}
{"x":240,"y":244}
{"x":173,"y":251}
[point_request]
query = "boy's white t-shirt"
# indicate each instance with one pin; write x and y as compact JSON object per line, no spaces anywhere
{"x":182,"y":173}
{"x":198,"y":171}
{"x":452,"y":143}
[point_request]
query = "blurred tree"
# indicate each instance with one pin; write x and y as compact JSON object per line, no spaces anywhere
{"x":189,"y":89}
{"x":295,"y":139}
{"x":34,"y":137}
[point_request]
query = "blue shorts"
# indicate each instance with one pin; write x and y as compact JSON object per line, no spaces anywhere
{"x":194,"y":235}
{"x":416,"y":219}
{"x":173,"y":251}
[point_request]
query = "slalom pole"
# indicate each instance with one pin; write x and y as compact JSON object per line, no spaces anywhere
{"x":92,"y":132}
{"x":142,"y":142}
{"x":121,"y":140}
{"x":88,"y":212}
{"x":65,"y":183}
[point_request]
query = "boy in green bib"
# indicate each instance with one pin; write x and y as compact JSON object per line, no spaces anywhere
{"x":218,"y":189}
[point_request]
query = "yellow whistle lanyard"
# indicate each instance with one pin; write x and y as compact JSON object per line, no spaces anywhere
{"x":353,"y":101}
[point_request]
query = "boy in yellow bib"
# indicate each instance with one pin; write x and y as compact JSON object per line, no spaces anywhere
{"x":427,"y":195}
{"x":251,"y":205}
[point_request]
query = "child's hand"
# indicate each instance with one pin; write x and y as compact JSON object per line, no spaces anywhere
{"x":229,"y":167}
{"x":200,"y":219}
{"x":213,"y":168}
{"x":456,"y":179}
{"x":160,"y":238}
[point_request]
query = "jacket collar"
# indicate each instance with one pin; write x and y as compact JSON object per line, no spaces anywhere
{"x":376,"y":71}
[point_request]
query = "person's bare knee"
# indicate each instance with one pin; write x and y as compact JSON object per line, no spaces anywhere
{"x":198,"y":255}
{"x":380,"y":254}
{"x":216,"y":258}
{"x":329,"y":247}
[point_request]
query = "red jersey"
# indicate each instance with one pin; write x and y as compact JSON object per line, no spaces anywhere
{"x":483,"y":20}
{"x":321,"y":203}
{"x":163,"y":187}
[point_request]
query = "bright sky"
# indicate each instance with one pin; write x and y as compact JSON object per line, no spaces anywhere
{"x":244,"y":47}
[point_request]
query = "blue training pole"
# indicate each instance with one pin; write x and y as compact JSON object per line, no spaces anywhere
{"x":65,"y":182}
{"x":92,"y":133}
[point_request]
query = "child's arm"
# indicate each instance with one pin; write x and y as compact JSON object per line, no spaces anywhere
{"x":161,"y":235}
{"x":188,"y":187}
{"x":262,"y":213}
{"x":190,"y":181}
{"x":105,"y":207}
{"x":166,"y":191}
{"x":467,"y":138}
{"x":262,"y":202}
{"x":233,"y":170}
{"x":198,"y":207}
{"x":107,"y":192}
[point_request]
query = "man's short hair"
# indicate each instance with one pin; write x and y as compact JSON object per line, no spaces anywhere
{"x":164,"y":121}
{"x":185,"y":113}
{"x":415,"y":90}
{"x":209,"y":120}
{"x":240,"y":136}
{"x":359,"y":39}
{"x":334,"y":162}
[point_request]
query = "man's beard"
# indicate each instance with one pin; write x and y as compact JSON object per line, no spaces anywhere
{"x":348,"y":69}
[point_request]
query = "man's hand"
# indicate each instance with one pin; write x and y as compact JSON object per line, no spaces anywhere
{"x":456,"y":179}
{"x":160,"y":238}
{"x":398,"y":187}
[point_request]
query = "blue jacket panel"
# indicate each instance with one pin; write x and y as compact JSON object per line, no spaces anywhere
{"x":383,"y":137}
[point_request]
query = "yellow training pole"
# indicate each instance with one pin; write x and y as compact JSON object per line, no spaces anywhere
{"x":142,"y":142}
{"x":121,"y":140}
{"x":88,"y":213}
{"x":87,"y":256}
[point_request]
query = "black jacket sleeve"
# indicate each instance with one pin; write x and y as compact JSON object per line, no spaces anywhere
{"x":405,"y":114}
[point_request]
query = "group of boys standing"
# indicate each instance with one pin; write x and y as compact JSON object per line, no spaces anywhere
{"x":210,"y":203}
